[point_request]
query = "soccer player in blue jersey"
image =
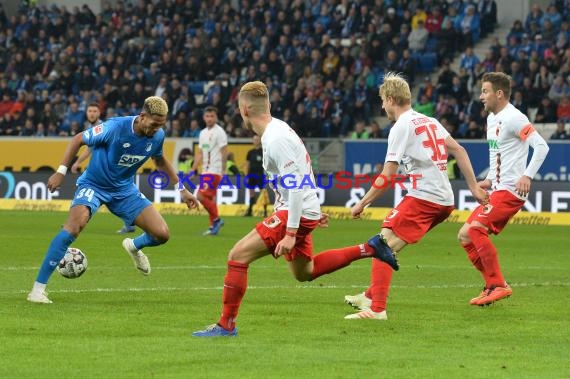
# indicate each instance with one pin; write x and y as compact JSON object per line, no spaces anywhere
{"x":119,"y":146}
{"x":93,"y":115}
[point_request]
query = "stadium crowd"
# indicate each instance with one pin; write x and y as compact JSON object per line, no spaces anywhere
{"x":322,"y":61}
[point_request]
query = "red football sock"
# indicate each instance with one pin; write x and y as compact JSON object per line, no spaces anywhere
{"x":332,"y":260}
{"x":368,"y":292}
{"x":211,"y":207}
{"x":489,"y":257}
{"x":380,"y":284}
{"x":235,"y":284}
{"x":473,"y":256}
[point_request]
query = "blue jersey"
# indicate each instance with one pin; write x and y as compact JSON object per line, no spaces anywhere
{"x":117,"y":153}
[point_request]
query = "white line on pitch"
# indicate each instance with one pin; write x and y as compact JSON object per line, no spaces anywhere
{"x":217,"y":288}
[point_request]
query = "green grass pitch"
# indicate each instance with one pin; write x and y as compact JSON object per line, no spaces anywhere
{"x":114,"y":323}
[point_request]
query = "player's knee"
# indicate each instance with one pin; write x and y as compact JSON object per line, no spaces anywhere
{"x":162,"y":235}
{"x":476,"y":232}
{"x":74,"y":228}
{"x":463,"y":236}
{"x":235,"y":253}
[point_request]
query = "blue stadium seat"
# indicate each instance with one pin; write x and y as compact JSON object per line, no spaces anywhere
{"x":197,"y":87}
{"x":431,"y":45}
{"x":427,"y":62}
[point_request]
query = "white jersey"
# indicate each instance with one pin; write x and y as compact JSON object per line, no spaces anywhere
{"x":288,"y":166}
{"x":418,"y":141}
{"x":508,"y":133}
{"x":211,"y":142}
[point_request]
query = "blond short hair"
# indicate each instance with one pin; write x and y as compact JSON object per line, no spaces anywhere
{"x":396,"y":87}
{"x":256,"y":97}
{"x":155,"y":106}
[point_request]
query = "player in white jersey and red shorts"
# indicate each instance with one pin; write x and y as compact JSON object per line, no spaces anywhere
{"x":421,"y":144}
{"x":212,"y":153}
{"x":509,"y":133}
{"x":297,"y":212}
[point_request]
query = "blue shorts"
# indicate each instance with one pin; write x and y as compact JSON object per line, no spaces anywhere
{"x":126,"y":204}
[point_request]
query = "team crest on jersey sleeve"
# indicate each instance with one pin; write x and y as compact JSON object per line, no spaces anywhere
{"x":97,"y":130}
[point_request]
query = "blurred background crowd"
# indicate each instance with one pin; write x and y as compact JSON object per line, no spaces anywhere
{"x":322,"y":61}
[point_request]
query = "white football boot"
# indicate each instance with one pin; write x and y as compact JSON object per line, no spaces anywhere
{"x":359,"y":301}
{"x":38,"y":297}
{"x":140,"y":260}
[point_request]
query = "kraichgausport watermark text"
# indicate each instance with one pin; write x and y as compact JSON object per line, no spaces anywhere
{"x":340,"y":180}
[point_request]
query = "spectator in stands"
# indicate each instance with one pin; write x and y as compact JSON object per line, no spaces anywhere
{"x":516,"y":33}
{"x":330,"y":63}
{"x":525,"y":44}
{"x":560,"y":132}
{"x":549,"y":32}
{"x":72,"y":115}
{"x":546,"y":111}
{"x":425,"y":106}
{"x":434,"y":21}
{"x":558,"y":89}
{"x":532,"y":97}
{"x":538,"y":45}
{"x":535,"y":16}
{"x":407,"y":66}
{"x":337,"y":118}
{"x":474,"y":131}
{"x":185,"y":160}
{"x":563,"y":108}
{"x":359,"y":131}
{"x":517,"y":73}
{"x":428,"y":89}
{"x":458,"y":89}
{"x":361,"y":103}
{"x":468,"y":24}
{"x":551,"y":16}
{"x":375,"y":131}
{"x":418,"y":38}
{"x":519,"y":102}
{"x":311,"y":128}
{"x":544,"y":79}
{"x":469,"y":60}
{"x":487,"y":10}
{"x":391,"y":63}
{"x":393,"y":19}
{"x":419,"y":15}
{"x":231,"y":166}
{"x":194,"y":130}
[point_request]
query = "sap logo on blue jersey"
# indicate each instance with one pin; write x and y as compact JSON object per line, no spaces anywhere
{"x":129,"y":160}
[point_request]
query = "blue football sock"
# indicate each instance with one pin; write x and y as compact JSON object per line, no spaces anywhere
{"x":55,"y":252}
{"x":145,"y":240}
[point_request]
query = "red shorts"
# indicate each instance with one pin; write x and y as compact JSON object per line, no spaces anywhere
{"x":502,"y":206}
{"x":412,"y":218}
{"x":273,"y":228}
{"x":209,"y":184}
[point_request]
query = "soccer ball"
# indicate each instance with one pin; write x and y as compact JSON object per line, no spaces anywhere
{"x":73,"y":264}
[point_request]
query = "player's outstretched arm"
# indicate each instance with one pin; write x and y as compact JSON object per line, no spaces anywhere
{"x":381,"y":183}
{"x":80,"y":159}
{"x":55,"y":181}
{"x":464,"y":164}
